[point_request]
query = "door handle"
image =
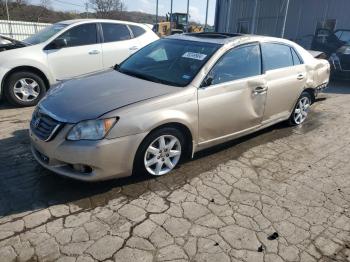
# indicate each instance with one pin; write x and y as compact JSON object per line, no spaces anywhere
{"x":134,"y":48}
{"x":300,"y":76}
{"x":259,"y":90}
{"x":94,"y":52}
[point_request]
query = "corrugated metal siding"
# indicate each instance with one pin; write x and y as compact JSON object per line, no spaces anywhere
{"x":20,"y":30}
{"x":302,"y":18}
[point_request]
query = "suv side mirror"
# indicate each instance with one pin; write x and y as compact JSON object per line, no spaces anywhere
{"x":59,"y":43}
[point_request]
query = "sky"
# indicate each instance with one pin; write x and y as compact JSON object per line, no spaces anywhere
{"x":197,"y":7}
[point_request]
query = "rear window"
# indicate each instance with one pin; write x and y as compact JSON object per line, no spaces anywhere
{"x":276,"y":56}
{"x":115,"y":32}
{"x":137,"y":30}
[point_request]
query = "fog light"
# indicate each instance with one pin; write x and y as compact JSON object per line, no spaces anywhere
{"x":82,"y":168}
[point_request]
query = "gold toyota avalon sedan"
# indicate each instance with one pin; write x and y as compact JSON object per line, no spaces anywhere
{"x":174,"y":97}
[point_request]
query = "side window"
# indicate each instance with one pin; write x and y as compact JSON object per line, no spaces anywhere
{"x":236,"y":64}
{"x":136,"y":30}
{"x":276,"y":56}
{"x":296,"y":58}
{"x":115,"y":32}
{"x":80,"y":35}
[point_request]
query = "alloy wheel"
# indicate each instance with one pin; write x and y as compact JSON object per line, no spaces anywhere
{"x":162,"y":155}
{"x":26,"y":89}
{"x":301,"y":111}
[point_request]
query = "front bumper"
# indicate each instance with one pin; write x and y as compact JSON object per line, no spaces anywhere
{"x":3,"y":72}
{"x":107,"y":158}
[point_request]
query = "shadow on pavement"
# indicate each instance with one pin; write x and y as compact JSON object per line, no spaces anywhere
{"x":26,"y":186}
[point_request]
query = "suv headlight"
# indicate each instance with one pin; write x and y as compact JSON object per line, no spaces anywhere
{"x":91,"y":129}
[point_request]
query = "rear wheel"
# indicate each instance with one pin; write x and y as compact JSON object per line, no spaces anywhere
{"x":160,"y":152}
{"x":24,"y":88}
{"x":301,"y":109}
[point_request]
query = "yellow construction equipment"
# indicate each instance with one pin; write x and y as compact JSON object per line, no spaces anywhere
{"x":177,"y":26}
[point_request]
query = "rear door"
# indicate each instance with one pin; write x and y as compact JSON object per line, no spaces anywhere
{"x":118,"y":43}
{"x":233,"y":95}
{"x":82,"y":55}
{"x":286,"y":78}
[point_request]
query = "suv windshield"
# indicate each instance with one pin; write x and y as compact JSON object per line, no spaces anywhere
{"x":45,"y":34}
{"x":169,"y":61}
{"x":344,"y":36}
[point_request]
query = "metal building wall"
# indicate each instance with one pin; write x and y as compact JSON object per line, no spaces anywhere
{"x":301,"y":22}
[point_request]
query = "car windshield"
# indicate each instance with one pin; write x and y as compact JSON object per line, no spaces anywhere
{"x":169,"y":61}
{"x":45,"y":34}
{"x":345,"y":36}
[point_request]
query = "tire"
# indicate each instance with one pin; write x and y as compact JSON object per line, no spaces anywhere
{"x":163,"y":157}
{"x":30,"y":88}
{"x":301,"y":110}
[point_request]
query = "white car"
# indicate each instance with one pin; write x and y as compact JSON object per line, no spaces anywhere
{"x":66,"y":50}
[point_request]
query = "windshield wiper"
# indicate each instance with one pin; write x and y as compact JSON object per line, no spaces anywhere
{"x":141,"y":76}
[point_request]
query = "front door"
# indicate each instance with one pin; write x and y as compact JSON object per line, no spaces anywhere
{"x":81,"y":55}
{"x":233,"y":95}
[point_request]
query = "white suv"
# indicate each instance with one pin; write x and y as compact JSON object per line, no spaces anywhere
{"x":65,"y":50}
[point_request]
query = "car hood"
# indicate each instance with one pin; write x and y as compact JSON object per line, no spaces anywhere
{"x":7,"y":43}
{"x":92,"y":96}
{"x":342,"y":49}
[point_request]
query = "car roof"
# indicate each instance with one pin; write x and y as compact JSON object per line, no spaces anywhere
{"x":78,"y":21}
{"x":226,"y":38}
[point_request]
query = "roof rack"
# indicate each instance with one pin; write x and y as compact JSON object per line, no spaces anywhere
{"x":213,"y":35}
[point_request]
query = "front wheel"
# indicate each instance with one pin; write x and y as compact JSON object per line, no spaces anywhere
{"x":24,"y":88}
{"x":160,"y":152}
{"x":301,"y":109}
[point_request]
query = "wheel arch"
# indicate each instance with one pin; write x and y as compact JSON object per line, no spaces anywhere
{"x":311,"y":92}
{"x":185,"y":130}
{"x":26,"y":68}
{"x":182,"y":128}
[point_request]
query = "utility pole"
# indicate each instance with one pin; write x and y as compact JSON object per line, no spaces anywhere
{"x":206,"y":17}
{"x":252,"y":30}
{"x":171,"y":16}
{"x":157,"y":13}
{"x":87,"y":9}
{"x":285,"y":20}
{"x":8,"y":18}
{"x":187,"y":17}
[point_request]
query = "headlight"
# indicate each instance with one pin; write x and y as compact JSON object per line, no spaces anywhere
{"x":346,"y":51}
{"x":91,"y":129}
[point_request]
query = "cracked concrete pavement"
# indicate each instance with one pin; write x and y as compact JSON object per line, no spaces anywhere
{"x":282,"y":194}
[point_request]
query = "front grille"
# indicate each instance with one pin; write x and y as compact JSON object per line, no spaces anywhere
{"x":44,"y":126}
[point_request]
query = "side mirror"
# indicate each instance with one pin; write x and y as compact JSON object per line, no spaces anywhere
{"x":208,"y":80}
{"x":59,"y":43}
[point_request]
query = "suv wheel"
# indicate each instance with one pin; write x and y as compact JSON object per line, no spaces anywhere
{"x":301,"y":109}
{"x":160,"y":152}
{"x":24,"y":88}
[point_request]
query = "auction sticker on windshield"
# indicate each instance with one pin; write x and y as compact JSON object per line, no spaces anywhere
{"x":196,"y":56}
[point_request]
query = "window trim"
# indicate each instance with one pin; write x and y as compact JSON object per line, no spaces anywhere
{"x":112,"y":23}
{"x":98,"y":40}
{"x":226,"y":52}
{"x":284,"y":44}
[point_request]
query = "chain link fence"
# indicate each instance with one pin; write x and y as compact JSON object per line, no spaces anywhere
{"x":20,"y":30}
